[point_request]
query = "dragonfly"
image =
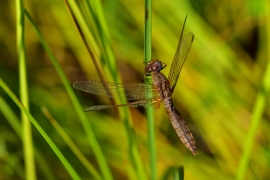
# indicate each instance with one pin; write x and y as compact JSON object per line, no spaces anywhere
{"x":152,"y":94}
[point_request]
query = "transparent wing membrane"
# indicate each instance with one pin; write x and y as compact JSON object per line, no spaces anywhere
{"x":135,"y":104}
{"x":180,"y":57}
{"x":117,"y":90}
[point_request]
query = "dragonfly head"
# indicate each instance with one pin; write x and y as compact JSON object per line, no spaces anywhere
{"x":154,"y":66}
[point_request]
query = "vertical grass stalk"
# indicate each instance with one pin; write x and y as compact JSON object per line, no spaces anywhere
{"x":29,"y":161}
{"x":149,"y":110}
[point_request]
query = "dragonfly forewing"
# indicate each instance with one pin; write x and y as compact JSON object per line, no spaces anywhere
{"x":180,"y":57}
{"x":118,"y":90}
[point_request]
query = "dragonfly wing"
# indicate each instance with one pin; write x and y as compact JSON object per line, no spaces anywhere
{"x":117,"y":90}
{"x":143,"y":103}
{"x":180,"y":57}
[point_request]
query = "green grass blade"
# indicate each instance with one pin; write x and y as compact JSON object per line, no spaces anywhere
{"x":177,"y":173}
{"x":256,"y":118}
{"x":111,"y":70}
{"x":29,"y":159}
{"x":68,"y":167}
{"x":257,"y":113}
{"x":71,"y":145}
{"x":10,"y":116}
{"x":14,"y":122}
{"x":180,"y":172}
{"x":77,"y":17}
{"x":150,"y":110}
{"x":101,"y":33}
{"x":82,"y":116}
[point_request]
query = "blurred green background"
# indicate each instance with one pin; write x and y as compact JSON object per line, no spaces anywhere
{"x":220,"y":92}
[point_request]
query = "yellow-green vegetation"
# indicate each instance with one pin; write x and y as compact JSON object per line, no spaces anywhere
{"x":222,"y":93}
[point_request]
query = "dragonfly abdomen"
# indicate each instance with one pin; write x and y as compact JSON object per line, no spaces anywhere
{"x":180,"y":126}
{"x":163,"y":87}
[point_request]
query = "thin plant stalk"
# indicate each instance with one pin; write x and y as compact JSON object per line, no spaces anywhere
{"x":150,"y":110}
{"x":29,"y":159}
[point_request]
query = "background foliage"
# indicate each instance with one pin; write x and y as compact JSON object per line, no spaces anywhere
{"x":222,"y":92}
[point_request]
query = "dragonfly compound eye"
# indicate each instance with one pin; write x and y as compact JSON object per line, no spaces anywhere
{"x":157,"y":66}
{"x":153,"y":65}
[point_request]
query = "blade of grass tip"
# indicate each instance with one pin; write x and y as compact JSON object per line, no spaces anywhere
{"x":29,"y":158}
{"x":15,"y":124}
{"x":180,"y":171}
{"x":258,"y":109}
{"x":82,"y":116}
{"x":149,"y":110}
{"x":66,"y":164}
{"x":175,"y":174}
{"x":71,"y":145}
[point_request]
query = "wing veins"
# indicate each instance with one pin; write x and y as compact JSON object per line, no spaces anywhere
{"x":143,"y":103}
{"x":182,"y":51}
{"x":127,"y":91}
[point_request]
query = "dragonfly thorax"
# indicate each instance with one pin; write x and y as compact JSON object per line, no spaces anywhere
{"x":154,"y":66}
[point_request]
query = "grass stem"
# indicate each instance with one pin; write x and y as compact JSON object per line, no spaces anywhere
{"x":150,"y":110}
{"x":29,"y":159}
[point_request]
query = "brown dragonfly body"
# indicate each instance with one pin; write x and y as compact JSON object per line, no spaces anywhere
{"x":150,"y":94}
{"x":163,"y":87}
